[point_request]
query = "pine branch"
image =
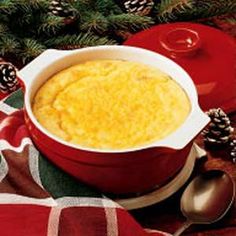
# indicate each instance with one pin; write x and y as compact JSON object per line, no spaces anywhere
{"x":27,"y":5}
{"x":7,"y":6}
{"x":3,"y":29}
{"x":214,"y":8}
{"x":27,"y":28}
{"x":50,"y":24}
{"x":78,"y":41}
{"x":25,"y":19}
{"x":107,"y":7}
{"x":30,"y":49}
{"x":84,"y":2}
{"x":4,"y":18}
{"x":24,"y":24}
{"x":170,"y":10}
{"x":94,"y":22}
{"x":179,"y":10}
{"x":8,"y":44}
{"x":83,"y":6}
{"x":129,"y":22}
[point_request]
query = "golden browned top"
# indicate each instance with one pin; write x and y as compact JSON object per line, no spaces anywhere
{"x":111,"y":104}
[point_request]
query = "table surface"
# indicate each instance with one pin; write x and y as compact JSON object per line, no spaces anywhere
{"x":167,"y":216}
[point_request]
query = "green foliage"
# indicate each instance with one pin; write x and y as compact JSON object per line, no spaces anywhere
{"x":26,"y":19}
{"x":27,"y":5}
{"x":169,"y":10}
{"x":213,"y":8}
{"x":8,"y":44}
{"x":180,"y":10}
{"x":78,"y":41}
{"x":27,"y":27}
{"x":30,"y":48}
{"x":7,"y":6}
{"x":129,"y":22}
{"x":3,"y":29}
{"x":82,"y":7}
{"x":107,"y":7}
{"x":50,"y":24}
{"x":94,"y":22}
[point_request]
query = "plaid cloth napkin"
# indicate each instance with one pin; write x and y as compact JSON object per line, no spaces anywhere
{"x":38,"y":199}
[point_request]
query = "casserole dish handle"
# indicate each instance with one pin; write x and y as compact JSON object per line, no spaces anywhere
{"x":49,"y":56}
{"x":195,"y":124}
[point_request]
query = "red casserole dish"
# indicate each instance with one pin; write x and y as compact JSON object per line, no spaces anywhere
{"x":116,"y":171}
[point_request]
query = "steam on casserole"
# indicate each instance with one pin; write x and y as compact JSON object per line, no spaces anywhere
{"x":111,"y":104}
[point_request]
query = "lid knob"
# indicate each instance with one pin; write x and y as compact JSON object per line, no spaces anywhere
{"x":180,"y":42}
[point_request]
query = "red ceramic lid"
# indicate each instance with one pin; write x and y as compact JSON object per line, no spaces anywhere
{"x":206,"y":53}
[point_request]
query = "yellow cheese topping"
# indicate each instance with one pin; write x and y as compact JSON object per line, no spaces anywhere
{"x":111,"y":104}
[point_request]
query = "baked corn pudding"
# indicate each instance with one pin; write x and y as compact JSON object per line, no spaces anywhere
{"x":111,"y":104}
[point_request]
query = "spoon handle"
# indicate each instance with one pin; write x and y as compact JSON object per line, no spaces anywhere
{"x":186,"y":224}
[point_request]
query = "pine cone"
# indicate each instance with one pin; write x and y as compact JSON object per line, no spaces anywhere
{"x":233,"y":150}
{"x":8,"y":78}
{"x":219,"y":130}
{"x":139,"y":7}
{"x":61,"y":8}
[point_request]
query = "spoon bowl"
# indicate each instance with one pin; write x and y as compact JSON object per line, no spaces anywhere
{"x":207,"y":198}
